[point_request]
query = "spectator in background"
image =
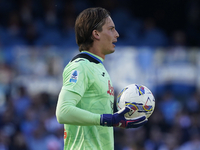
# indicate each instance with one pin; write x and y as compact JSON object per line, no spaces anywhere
{"x":179,"y":39}
{"x":31,"y":34}
{"x":13,"y":34}
{"x":5,"y":140}
{"x":19,"y":142}
{"x":169,"y":106}
{"x":151,"y":35}
{"x":21,"y":102}
{"x":193,"y":143}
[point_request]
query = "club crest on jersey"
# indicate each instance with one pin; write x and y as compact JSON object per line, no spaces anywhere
{"x":74,"y":76}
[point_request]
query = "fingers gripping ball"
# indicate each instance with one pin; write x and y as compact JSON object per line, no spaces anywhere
{"x":118,"y":119}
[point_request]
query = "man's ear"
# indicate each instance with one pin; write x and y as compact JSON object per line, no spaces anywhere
{"x":95,"y":34}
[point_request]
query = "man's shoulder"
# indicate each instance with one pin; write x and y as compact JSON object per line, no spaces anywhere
{"x":78,"y":63}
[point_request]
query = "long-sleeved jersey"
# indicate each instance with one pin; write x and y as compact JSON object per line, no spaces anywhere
{"x":87,"y":93}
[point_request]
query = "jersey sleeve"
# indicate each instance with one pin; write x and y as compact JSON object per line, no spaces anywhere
{"x":75,"y":77}
{"x":68,"y":113}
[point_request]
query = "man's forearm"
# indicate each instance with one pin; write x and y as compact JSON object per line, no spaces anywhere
{"x":68,"y":113}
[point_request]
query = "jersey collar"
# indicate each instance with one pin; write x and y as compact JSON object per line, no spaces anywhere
{"x":99,"y":59}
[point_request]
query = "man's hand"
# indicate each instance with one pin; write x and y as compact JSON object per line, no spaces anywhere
{"x":118,"y":119}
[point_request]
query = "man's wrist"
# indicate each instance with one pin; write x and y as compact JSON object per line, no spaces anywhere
{"x":106,"y":120}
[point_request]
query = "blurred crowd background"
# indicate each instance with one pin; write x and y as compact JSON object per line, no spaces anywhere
{"x":51,"y":22}
{"x":159,"y":47}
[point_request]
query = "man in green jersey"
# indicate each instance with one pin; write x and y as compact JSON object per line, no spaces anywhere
{"x":85,"y":103}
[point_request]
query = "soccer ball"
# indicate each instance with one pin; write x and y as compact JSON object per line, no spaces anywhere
{"x":141,"y":99}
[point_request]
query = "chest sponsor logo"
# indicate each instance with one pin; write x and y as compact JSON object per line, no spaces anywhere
{"x":110,"y":89}
{"x":74,"y":76}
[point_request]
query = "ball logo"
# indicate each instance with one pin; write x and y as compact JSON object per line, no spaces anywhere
{"x":147,"y":106}
{"x":140,"y":89}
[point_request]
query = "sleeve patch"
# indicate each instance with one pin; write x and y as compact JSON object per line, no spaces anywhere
{"x":74,"y":76}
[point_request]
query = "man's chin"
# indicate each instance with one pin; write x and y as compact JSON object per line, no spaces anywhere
{"x":112,"y":51}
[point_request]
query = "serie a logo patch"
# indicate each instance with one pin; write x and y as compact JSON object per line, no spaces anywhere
{"x":74,"y":76}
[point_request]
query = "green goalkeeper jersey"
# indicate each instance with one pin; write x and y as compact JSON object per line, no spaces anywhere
{"x":86,"y":76}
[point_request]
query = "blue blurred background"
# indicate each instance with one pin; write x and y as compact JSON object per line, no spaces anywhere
{"x":159,"y":47}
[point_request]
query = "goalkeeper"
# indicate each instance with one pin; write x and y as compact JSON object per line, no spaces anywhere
{"x":85,"y":102}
